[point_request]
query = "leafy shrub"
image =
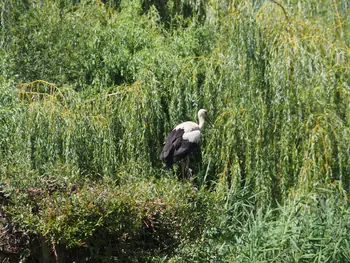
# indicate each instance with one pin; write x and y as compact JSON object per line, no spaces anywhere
{"x":128,"y":222}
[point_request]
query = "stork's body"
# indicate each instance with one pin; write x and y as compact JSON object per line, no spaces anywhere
{"x":183,"y":140}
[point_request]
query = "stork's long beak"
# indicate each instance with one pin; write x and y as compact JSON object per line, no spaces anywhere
{"x":210,"y":121}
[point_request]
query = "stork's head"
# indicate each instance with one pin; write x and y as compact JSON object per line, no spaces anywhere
{"x":202,"y":113}
{"x":203,"y":116}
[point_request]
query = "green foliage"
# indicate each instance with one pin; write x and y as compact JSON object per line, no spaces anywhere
{"x":112,"y":220}
{"x":89,"y":90}
{"x":307,"y":228}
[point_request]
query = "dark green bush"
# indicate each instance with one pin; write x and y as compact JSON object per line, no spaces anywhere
{"x":104,"y":221}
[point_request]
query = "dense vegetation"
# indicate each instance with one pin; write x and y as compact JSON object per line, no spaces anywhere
{"x":90,"y":88}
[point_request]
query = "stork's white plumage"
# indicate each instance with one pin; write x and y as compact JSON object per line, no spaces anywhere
{"x":183,"y":140}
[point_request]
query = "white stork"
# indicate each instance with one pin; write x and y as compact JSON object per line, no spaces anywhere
{"x":183,"y":140}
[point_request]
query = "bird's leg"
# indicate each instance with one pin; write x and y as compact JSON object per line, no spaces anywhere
{"x":182,"y":169}
{"x":188,"y":167}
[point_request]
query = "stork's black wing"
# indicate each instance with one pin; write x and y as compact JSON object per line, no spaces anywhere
{"x":173,"y":142}
{"x":185,"y":148}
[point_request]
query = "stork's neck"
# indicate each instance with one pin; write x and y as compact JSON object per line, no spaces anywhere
{"x":201,"y":121}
